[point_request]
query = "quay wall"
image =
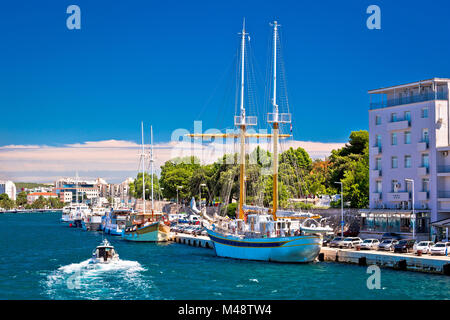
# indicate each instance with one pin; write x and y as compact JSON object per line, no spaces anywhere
{"x":435,"y":264}
{"x":429,"y":264}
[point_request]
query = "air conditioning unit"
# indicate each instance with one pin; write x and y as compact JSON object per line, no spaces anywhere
{"x":445,"y":153}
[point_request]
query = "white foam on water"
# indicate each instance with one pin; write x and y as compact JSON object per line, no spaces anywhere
{"x":90,"y":280}
{"x":88,"y":269}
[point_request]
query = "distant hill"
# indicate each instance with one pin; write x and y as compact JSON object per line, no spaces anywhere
{"x":30,"y":185}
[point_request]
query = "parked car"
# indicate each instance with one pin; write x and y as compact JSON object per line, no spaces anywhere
{"x":335,"y":242}
{"x":326,"y":240}
{"x":387,"y":244}
{"x":350,"y":242}
{"x":405,"y":245}
{"x":423,"y":246}
{"x":369,"y":244}
{"x":390,"y":235}
{"x":440,"y":248}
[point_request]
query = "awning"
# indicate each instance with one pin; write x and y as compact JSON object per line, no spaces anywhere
{"x":445,"y":223}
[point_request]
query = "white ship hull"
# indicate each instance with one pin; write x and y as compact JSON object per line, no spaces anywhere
{"x":296,"y":249}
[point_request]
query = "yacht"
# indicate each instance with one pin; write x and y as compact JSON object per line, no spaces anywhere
{"x":103,"y":254}
{"x":93,"y":220}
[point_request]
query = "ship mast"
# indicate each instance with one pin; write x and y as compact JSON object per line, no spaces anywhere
{"x":76,"y":187}
{"x":276,"y":118}
{"x":143,"y":165}
{"x":242,"y":131}
{"x":151,"y":160}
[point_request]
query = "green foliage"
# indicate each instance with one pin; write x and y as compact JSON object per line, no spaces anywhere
{"x":30,"y":185}
{"x":298,"y":176}
{"x":230,"y":210}
{"x":21,"y":198}
{"x":136,"y":189}
{"x":6,"y":202}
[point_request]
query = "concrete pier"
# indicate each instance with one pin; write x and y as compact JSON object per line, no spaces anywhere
{"x":399,"y":261}
{"x":195,"y":241}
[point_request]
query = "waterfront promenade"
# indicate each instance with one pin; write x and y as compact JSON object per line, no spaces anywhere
{"x":398,"y":261}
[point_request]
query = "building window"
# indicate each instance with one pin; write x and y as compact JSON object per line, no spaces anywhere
{"x":379,"y":187}
{"x":394,"y":186}
{"x":425,"y":135}
{"x":425,"y":160}
{"x":394,"y":138}
{"x":377,"y":120}
{"x":425,"y":185}
{"x":407,"y":116}
{"x":394,"y":162}
{"x":408,"y":185}
{"x":407,"y":161}
{"x":378,"y":141}
{"x":393,"y":117}
{"x":408,"y":137}
{"x":424,"y":112}
{"x":378,"y":164}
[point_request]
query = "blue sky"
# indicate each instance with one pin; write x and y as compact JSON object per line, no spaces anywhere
{"x":171,"y":62}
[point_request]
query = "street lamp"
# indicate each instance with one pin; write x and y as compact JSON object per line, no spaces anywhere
{"x":413,"y":216}
{"x":200,"y":194}
{"x":342,"y":209}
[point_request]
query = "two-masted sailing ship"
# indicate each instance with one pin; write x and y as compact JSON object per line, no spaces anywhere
{"x":146,"y":226}
{"x":258,"y":233}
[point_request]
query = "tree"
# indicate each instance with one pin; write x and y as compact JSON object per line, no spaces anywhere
{"x":21,"y":198}
{"x":39,"y":203}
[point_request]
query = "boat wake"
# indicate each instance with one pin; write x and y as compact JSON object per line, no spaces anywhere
{"x":121,"y":279}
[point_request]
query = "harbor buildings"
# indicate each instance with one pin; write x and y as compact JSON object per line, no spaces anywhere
{"x":32,"y":197}
{"x":409,"y":140}
{"x":93,"y":191}
{"x":9,"y":188}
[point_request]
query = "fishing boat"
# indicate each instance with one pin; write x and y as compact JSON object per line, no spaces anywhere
{"x":104,"y":254}
{"x":143,"y":226}
{"x":93,"y":220}
{"x":114,"y":221}
{"x":258,"y":233}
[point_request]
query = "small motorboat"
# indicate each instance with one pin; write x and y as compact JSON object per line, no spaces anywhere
{"x":104,"y":253}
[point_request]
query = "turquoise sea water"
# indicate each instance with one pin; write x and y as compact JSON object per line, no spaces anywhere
{"x":41,"y":258}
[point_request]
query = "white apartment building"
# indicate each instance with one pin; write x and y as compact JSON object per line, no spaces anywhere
{"x":409,"y":139}
{"x":9,"y":188}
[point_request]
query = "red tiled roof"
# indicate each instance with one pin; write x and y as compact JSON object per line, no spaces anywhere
{"x":43,"y":194}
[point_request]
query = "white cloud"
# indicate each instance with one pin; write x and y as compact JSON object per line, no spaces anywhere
{"x":114,"y":160}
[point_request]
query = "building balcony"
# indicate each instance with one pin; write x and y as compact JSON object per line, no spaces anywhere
{"x":375,"y":196}
{"x":423,"y":195}
{"x":422,"y":146}
{"x":398,"y":196}
{"x":430,"y":96}
{"x":422,"y":171}
{"x":444,"y":195}
{"x":398,"y":125}
{"x":374,"y":174}
{"x":443,"y":169}
{"x":375,"y":151}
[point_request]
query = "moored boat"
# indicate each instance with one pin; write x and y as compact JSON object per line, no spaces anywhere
{"x":145,"y":227}
{"x":264,"y":234}
{"x":114,"y":221}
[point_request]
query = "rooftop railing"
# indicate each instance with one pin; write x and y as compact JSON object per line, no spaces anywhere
{"x":409,"y":99}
